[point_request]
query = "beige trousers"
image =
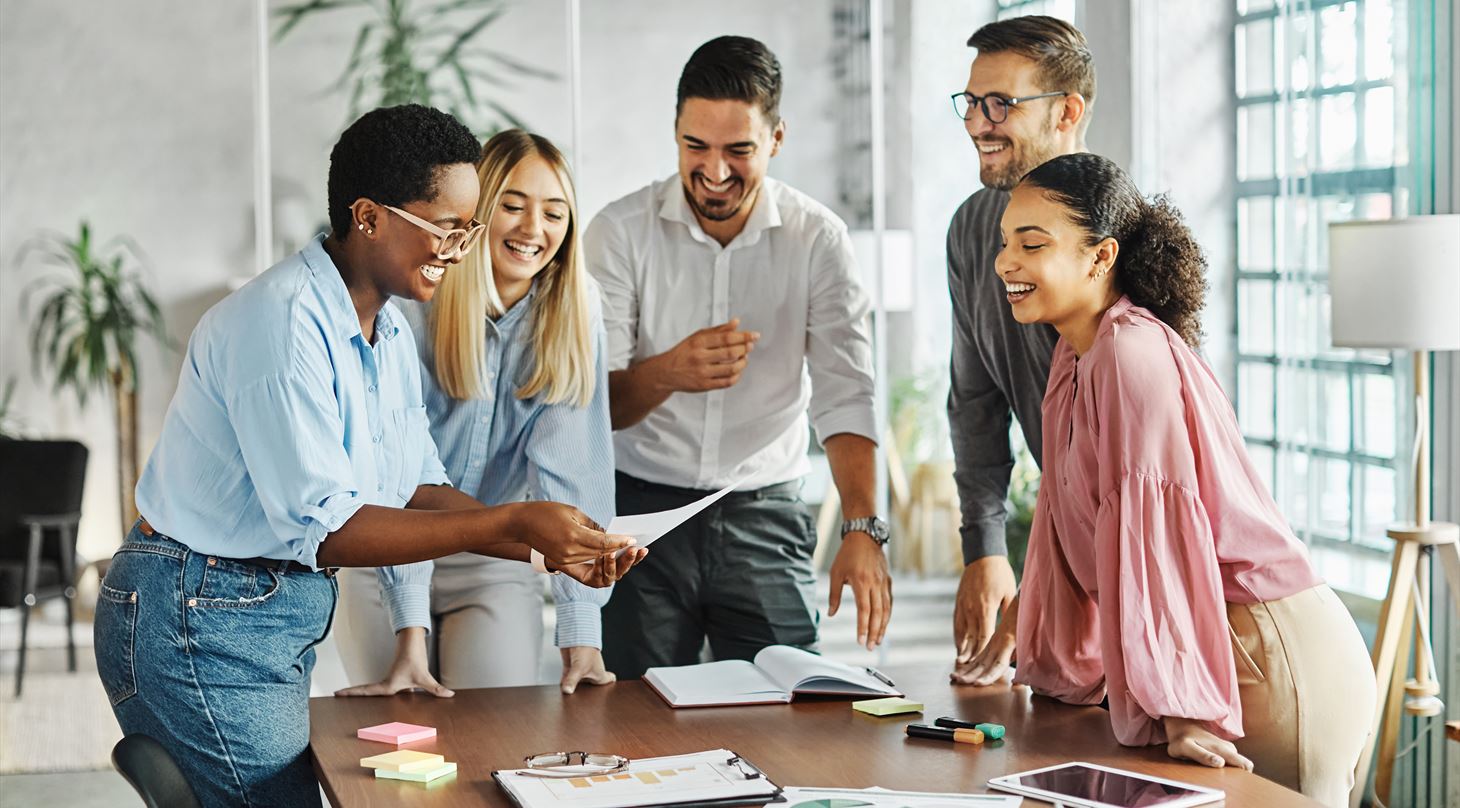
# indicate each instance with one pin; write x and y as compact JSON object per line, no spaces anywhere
{"x":1307,"y":689}
{"x":486,"y":615}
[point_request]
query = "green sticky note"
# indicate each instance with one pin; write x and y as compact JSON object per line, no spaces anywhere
{"x":417,"y":777}
{"x":889,"y":706}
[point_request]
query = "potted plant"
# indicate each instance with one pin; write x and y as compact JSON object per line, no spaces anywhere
{"x":419,"y":53}
{"x":87,"y":329}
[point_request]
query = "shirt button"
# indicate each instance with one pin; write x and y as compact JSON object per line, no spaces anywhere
{"x":375,"y":439}
{"x":379,"y":487}
{"x":371,"y":388}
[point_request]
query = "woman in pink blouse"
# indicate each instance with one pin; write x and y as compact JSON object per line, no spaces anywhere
{"x":1160,"y":572}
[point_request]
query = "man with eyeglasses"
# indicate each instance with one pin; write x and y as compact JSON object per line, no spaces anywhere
{"x":1028,"y":100}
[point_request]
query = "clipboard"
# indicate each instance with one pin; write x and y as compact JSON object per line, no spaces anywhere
{"x":717,"y":777}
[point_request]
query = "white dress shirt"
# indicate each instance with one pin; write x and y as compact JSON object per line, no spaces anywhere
{"x":790,"y":275}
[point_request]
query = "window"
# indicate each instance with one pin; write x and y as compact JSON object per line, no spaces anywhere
{"x":1318,"y":141}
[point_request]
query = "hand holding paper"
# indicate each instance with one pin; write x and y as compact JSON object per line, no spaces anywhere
{"x":647,"y":528}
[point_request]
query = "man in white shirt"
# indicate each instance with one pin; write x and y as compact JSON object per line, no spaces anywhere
{"x":731,"y":303}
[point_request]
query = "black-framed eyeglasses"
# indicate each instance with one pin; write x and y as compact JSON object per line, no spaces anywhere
{"x":995,"y":107}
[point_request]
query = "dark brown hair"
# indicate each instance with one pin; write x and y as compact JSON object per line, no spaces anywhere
{"x":1058,"y":48}
{"x":1159,"y":265}
{"x":733,"y":67}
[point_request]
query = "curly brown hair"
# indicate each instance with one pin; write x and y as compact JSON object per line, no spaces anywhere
{"x":1159,"y":266}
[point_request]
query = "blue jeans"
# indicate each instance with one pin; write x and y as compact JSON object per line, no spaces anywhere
{"x":212,"y":659}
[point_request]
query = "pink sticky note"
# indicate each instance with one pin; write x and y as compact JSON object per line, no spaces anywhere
{"x":397,"y":733}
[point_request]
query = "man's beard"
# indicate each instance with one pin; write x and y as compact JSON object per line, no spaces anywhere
{"x":724,"y":210}
{"x":1027,"y":157}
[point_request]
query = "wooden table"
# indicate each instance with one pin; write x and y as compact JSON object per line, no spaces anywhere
{"x":808,"y":743}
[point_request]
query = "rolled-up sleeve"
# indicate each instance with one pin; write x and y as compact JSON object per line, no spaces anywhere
{"x":606,"y":254}
{"x":570,"y":460}
{"x":839,"y":342}
{"x":289,"y":430}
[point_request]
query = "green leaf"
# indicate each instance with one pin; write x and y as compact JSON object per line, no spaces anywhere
{"x":295,"y":14}
{"x":467,"y":34}
{"x":522,"y":68}
{"x":465,"y":81}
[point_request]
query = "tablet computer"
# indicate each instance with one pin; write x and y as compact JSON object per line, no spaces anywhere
{"x":1090,"y":786}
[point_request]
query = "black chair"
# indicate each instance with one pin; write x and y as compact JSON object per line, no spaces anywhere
{"x":40,"y":499}
{"x":145,"y":764}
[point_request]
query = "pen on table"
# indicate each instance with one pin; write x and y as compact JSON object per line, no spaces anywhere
{"x":879,"y":675}
{"x":990,"y":730}
{"x":943,"y":734}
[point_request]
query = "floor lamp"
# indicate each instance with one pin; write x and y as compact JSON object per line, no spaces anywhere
{"x":1395,"y":285}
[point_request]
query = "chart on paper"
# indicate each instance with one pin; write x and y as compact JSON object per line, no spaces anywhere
{"x":666,"y":781}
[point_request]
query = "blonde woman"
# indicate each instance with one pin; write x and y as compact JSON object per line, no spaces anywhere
{"x":517,"y":396}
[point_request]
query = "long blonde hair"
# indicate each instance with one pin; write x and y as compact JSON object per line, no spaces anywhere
{"x":562,"y":339}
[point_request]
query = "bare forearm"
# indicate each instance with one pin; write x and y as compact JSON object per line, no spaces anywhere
{"x":853,"y":461}
{"x":376,"y":536}
{"x":446,"y":498}
{"x":634,"y":392}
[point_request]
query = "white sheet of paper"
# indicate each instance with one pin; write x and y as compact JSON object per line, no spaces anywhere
{"x":650,"y":527}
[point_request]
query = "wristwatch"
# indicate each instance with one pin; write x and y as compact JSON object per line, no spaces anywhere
{"x":871,"y":525}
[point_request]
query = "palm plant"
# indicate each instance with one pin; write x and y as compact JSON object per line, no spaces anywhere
{"x":420,"y":53}
{"x":88,"y":328}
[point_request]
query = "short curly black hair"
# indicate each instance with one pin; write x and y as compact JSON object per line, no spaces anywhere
{"x":1160,"y":265}
{"x":392,"y":156}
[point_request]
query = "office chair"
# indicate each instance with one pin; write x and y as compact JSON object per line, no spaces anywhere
{"x":40,"y":498}
{"x":150,"y":770}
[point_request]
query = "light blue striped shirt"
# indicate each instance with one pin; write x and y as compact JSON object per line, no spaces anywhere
{"x":504,"y":449}
{"x":285,"y":421}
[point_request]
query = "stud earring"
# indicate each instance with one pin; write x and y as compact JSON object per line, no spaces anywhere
{"x":360,"y":226}
{"x":370,"y":232}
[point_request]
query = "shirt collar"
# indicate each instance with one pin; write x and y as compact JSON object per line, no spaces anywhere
{"x":765,"y":215}
{"x":326,"y":277}
{"x":1108,"y":319}
{"x":515,"y":315}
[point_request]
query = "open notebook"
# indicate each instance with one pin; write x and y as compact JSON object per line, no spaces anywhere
{"x":778,"y":674}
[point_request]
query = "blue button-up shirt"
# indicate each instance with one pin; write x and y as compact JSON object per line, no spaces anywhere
{"x":286,"y":421}
{"x":502,"y":449}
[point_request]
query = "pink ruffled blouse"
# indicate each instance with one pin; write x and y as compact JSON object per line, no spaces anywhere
{"x":1150,"y":519}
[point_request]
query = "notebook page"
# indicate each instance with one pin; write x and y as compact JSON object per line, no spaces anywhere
{"x":793,"y":669}
{"x":714,"y":682}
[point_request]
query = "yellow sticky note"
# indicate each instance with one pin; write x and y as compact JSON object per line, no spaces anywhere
{"x":403,"y":760}
{"x":437,"y":770}
{"x":889,"y":706}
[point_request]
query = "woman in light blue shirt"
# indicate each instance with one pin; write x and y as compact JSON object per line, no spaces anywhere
{"x":517,"y":393}
{"x":296,"y":443}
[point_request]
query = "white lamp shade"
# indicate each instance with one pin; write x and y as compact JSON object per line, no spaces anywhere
{"x":1395,"y":284}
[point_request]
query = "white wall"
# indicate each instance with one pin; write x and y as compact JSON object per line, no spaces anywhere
{"x":137,"y":120}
